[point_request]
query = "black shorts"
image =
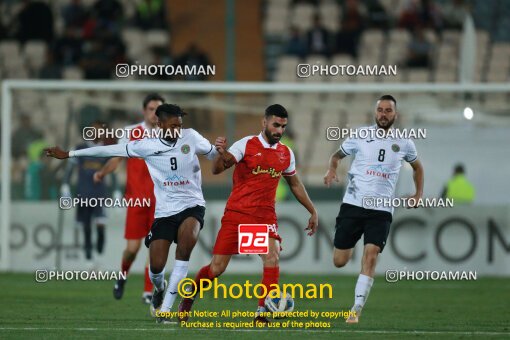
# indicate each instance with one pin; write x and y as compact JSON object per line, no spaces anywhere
{"x":166,"y":227}
{"x":353,"y":221}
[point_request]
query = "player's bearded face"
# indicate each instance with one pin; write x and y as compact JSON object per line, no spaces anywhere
{"x":274,"y":128}
{"x":385,"y":114}
{"x":384,"y":122}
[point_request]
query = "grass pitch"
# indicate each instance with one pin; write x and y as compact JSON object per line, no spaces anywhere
{"x":418,"y":309}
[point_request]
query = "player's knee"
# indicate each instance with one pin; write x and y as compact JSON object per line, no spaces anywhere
{"x":183,"y":253}
{"x":339,"y":262}
{"x":370,"y":259}
{"x":157,"y":266}
{"x":217,"y":268}
{"x":132,"y":249}
{"x":271,"y":259}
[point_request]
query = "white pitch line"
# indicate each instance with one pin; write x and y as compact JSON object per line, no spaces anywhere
{"x":336,"y":330}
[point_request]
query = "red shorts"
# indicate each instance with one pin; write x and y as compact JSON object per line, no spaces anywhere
{"x":228,"y":236}
{"x":138,"y":222}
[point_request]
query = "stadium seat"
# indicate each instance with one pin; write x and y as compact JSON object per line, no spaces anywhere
{"x":72,"y":73}
{"x":18,"y":72}
{"x":330,"y":13}
{"x":418,"y":75}
{"x":35,"y":53}
{"x":275,"y":26}
{"x":9,"y":49}
{"x":158,"y":38}
{"x":399,"y":36}
{"x":370,"y":49}
{"x":288,"y":63}
{"x":302,"y":15}
{"x":451,"y":38}
{"x":285,"y":76}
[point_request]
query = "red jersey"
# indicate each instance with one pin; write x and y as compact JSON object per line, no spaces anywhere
{"x":257,"y":172}
{"x":139,"y":182}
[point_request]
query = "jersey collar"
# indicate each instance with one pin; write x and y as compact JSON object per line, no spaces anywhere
{"x":266,"y":144}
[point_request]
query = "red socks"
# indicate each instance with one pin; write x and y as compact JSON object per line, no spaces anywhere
{"x":148,"y":286}
{"x":125,"y":266}
{"x":271,"y":276}
{"x":204,"y":273}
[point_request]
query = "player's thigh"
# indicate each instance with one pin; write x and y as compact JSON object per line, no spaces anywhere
{"x":133,"y":245}
{"x":349,"y":227}
{"x":227,"y":240}
{"x":376,"y":231}
{"x":138,"y":222}
{"x":187,"y":237}
{"x":348,"y":231}
{"x":271,"y":259}
{"x":341,"y":256}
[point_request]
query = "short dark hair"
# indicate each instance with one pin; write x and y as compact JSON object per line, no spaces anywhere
{"x":169,"y":110}
{"x":389,"y":97}
{"x":276,"y":110}
{"x":152,"y":96}
{"x":459,"y":169}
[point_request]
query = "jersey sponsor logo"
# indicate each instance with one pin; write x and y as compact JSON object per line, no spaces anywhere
{"x":271,"y":171}
{"x":175,"y":181}
{"x":395,"y":147}
{"x":253,"y":239}
{"x":185,"y":149}
{"x":258,"y":154}
{"x":379,"y":171}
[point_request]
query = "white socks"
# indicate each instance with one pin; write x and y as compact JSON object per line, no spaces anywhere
{"x":362,"y":289}
{"x":158,"y":279}
{"x":180,"y":272}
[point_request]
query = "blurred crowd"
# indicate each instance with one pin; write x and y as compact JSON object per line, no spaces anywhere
{"x":357,"y":16}
{"x":91,"y":37}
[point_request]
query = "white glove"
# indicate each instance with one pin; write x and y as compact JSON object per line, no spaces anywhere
{"x":65,"y":190}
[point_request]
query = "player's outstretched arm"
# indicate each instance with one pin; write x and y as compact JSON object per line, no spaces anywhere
{"x":119,"y":150}
{"x":299,"y":191}
{"x":334,"y":160}
{"x":418,"y":177}
{"x":224,"y":159}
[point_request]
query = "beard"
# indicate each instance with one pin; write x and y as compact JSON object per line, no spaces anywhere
{"x":384,"y":123}
{"x":272,"y":138}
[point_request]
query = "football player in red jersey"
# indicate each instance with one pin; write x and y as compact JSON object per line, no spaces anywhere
{"x":259,"y":162}
{"x":139,"y":185}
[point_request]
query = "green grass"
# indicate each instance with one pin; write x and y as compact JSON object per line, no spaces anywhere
{"x":77,"y":309}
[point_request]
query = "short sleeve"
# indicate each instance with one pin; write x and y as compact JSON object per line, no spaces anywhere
{"x":239,"y":148}
{"x":291,"y":170}
{"x":202,"y":145}
{"x":138,"y":148}
{"x":349,"y":146}
{"x":411,"y":153}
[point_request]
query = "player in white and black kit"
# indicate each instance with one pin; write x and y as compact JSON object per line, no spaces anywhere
{"x":175,"y":170}
{"x":373,"y":174}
